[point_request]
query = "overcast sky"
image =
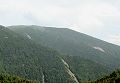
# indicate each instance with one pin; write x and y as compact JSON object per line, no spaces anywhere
{"x":98,"y":18}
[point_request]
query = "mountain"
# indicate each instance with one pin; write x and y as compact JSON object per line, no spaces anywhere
{"x":78,"y":48}
{"x":85,"y":69}
{"x":73,"y":43}
{"x":21,"y":57}
{"x":114,"y":77}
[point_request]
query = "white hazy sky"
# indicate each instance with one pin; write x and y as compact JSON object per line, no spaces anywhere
{"x":98,"y":18}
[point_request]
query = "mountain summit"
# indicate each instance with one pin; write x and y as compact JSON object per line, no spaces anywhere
{"x":21,"y":54}
{"x":85,"y":56}
{"x":73,"y":43}
{"x":2,"y":27}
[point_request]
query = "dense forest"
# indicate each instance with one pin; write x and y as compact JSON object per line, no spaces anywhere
{"x":24,"y":58}
{"x":112,"y":78}
{"x":85,"y":69}
{"x":46,"y":55}
{"x":73,"y":43}
{"x":14,"y":79}
{"x":88,"y":57}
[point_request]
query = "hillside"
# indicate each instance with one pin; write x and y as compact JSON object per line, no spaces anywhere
{"x":112,"y":78}
{"x":22,"y":57}
{"x":79,"y":64}
{"x":72,"y":43}
{"x":85,"y":69}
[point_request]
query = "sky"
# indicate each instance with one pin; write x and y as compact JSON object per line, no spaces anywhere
{"x":98,"y":18}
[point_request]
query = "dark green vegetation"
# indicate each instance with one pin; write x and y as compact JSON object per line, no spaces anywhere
{"x":88,"y":57}
{"x":28,"y":52}
{"x":112,"y":78}
{"x":73,"y":43}
{"x":85,"y":69}
{"x":14,"y":79}
{"x":22,"y":57}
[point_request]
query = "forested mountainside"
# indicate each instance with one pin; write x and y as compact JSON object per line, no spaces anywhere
{"x":85,"y":69}
{"x":112,"y":78}
{"x":14,"y":79}
{"x":22,"y":57}
{"x":73,"y":43}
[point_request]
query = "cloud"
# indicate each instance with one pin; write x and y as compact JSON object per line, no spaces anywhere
{"x":93,"y":16}
{"x":113,"y":39}
{"x":80,"y":14}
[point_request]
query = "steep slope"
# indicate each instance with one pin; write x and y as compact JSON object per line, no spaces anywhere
{"x":22,"y":57}
{"x":112,"y":78}
{"x":73,"y":43}
{"x":83,"y":69}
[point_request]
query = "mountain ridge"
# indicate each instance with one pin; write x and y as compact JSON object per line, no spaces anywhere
{"x":24,"y":57}
{"x":73,"y":43}
{"x":37,"y":26}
